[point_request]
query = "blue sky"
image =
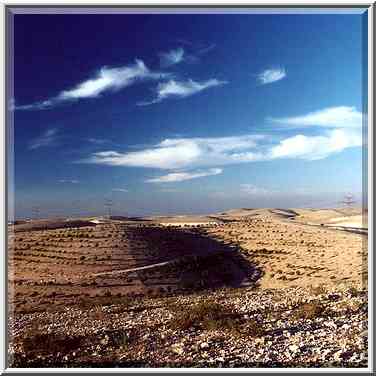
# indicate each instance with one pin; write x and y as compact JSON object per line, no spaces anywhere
{"x":186,"y":113}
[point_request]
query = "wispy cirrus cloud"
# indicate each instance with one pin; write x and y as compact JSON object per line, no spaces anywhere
{"x":331,"y":117}
{"x":271,"y":75}
{"x":182,"y":176}
{"x":48,"y":138}
{"x":183,"y":155}
{"x":251,"y":189}
{"x":195,"y":153}
{"x":119,"y":190}
{"x":195,"y":50}
{"x":70,"y":181}
{"x":106,"y":80}
{"x":171,"y":57}
{"x":42,"y":105}
{"x":244,"y":191}
{"x":181,"y":89}
{"x":203,"y":50}
{"x":98,"y":141}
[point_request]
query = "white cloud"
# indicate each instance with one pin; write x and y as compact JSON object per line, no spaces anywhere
{"x":251,"y":189}
{"x":205,"y":49}
{"x":181,"y":89}
{"x":316,"y":147}
{"x":244,"y":191}
{"x":107,"y":79}
{"x":195,"y":153}
{"x":271,"y":75}
{"x":332,"y":117}
{"x":171,"y":57}
{"x":187,"y":153}
{"x":119,"y":190}
{"x":183,"y":153}
{"x":69,"y":181}
{"x":36,"y":105}
{"x":46,"y":139}
{"x":181,"y":176}
{"x":195,"y":50}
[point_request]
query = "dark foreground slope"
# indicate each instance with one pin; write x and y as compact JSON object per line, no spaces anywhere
{"x":226,"y":328}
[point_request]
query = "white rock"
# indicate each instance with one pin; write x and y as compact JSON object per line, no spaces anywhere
{"x":293,"y":348}
{"x":177,"y":349}
{"x":204,"y":345}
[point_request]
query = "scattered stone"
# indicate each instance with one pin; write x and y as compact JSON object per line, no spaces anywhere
{"x":142,"y":336}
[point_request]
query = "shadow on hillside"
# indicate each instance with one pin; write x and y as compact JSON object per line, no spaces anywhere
{"x":195,"y":261}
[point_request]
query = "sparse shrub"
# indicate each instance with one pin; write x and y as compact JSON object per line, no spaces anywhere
{"x":97,"y":313}
{"x":308,"y":311}
{"x":352,"y":291}
{"x":119,"y":338}
{"x":207,"y":314}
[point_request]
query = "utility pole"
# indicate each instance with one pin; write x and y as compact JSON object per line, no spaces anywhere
{"x":108,"y":204}
{"x":348,"y":200}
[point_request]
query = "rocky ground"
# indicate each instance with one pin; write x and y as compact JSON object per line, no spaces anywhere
{"x":291,"y":327}
{"x":257,"y":288}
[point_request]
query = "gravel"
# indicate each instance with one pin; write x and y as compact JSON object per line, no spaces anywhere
{"x":299,"y":329}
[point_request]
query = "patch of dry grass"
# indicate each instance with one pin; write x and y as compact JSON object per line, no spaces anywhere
{"x":309,"y":311}
{"x":210,"y":315}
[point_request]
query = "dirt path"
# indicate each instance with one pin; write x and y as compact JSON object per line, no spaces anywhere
{"x":113,"y":272}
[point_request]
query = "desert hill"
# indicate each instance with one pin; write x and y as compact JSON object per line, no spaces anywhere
{"x":191,"y":290}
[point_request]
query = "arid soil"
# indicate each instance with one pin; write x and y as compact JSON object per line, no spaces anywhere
{"x":103,"y":274}
{"x":291,"y":254}
{"x":63,"y":266}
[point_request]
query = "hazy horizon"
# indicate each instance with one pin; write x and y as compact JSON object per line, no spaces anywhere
{"x":80,"y":212}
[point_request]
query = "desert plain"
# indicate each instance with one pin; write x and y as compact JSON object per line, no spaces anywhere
{"x":241,"y":288}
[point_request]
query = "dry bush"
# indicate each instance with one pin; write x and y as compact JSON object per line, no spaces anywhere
{"x":210,"y":315}
{"x":119,"y":338}
{"x":308,"y":311}
{"x":97,"y":302}
{"x":97,"y":313}
{"x":196,"y":315}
